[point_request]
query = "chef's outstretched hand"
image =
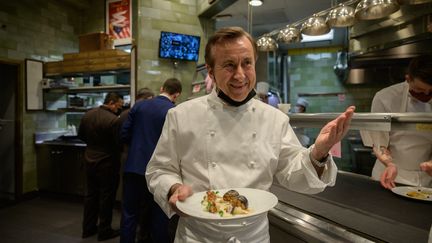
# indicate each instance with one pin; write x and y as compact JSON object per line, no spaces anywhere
{"x":179,"y":192}
{"x":427,"y":167}
{"x":332,"y":133}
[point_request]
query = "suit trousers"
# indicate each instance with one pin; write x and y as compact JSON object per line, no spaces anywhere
{"x":102,"y":183}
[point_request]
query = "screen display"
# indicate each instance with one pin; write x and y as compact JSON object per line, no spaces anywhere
{"x":179,"y":46}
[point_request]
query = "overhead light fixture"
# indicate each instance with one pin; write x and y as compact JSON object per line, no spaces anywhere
{"x":266,"y":43}
{"x":289,"y":35}
{"x":342,"y":16}
{"x":256,"y":3}
{"x":375,"y":9}
{"x":315,"y":25}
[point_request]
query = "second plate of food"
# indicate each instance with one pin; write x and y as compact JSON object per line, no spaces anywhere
{"x":258,"y":202}
{"x":419,"y":193}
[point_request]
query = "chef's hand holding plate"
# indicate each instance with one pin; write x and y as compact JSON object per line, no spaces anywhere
{"x":178,"y":192}
{"x":427,"y":167}
{"x":332,"y":133}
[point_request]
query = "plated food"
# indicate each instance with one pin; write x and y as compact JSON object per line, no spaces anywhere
{"x":419,"y":193}
{"x":231,"y":203}
{"x":255,"y":202}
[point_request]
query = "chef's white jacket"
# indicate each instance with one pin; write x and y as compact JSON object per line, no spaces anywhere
{"x":210,"y":145}
{"x":408,"y":148}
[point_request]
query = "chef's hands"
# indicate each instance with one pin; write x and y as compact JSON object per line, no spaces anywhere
{"x":383,"y":154}
{"x":388,"y":176}
{"x":427,"y":167}
{"x":178,"y":192}
{"x":332,"y":133}
{"x":390,"y":172}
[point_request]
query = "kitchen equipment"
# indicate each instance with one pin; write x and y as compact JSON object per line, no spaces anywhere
{"x":413,"y":1}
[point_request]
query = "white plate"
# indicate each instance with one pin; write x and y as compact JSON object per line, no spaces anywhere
{"x":259,"y":202}
{"x":403,"y":190}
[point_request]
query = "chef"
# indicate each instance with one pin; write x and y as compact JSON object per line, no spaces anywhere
{"x":228,"y":139}
{"x":300,"y":107}
{"x":405,"y":156}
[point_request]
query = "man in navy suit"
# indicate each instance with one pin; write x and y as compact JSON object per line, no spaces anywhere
{"x":141,"y":132}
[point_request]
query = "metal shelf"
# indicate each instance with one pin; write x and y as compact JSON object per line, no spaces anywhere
{"x":368,"y":121}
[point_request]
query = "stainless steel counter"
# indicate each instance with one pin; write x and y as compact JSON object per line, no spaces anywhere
{"x":358,"y":209}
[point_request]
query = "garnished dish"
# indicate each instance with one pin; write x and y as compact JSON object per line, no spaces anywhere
{"x":231,"y":203}
{"x":419,"y":193}
{"x":227,"y":204}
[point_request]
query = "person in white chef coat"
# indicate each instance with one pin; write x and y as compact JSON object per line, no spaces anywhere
{"x":405,"y":156}
{"x":228,"y":139}
{"x":300,"y":107}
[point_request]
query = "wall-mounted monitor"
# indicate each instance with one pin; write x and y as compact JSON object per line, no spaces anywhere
{"x":179,"y":46}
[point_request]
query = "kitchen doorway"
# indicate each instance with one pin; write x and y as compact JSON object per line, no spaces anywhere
{"x":9,"y":130}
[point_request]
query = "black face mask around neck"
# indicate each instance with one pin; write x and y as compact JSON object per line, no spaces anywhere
{"x":232,"y":102}
{"x":421,"y":96}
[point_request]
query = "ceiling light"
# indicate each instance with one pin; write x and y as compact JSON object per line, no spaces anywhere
{"x":375,"y":9}
{"x":315,"y":25}
{"x":256,"y":3}
{"x":289,"y":35}
{"x":342,"y":16}
{"x":266,"y":43}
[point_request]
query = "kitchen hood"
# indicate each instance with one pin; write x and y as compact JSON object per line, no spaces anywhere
{"x":380,"y":50}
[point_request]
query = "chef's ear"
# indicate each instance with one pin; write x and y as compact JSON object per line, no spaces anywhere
{"x":210,"y":72}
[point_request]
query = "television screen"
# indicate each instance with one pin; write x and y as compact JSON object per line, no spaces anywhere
{"x":179,"y":46}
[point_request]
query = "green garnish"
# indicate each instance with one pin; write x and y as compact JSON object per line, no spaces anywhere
{"x":221,"y":213}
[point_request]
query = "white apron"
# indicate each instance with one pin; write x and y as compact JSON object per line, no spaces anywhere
{"x":409,"y":148}
{"x":248,"y":230}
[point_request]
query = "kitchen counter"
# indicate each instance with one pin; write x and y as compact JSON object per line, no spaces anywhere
{"x":361,"y":206}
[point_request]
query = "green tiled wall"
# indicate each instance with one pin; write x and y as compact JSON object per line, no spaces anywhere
{"x":46,"y":29}
{"x":311,"y":72}
{"x":174,"y":16}
{"x":42,"y":30}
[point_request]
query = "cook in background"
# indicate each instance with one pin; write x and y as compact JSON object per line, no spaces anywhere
{"x":262,"y":89}
{"x":300,"y":107}
{"x":402,"y":155}
{"x":140,"y":132}
{"x":228,"y":139}
{"x":98,"y":129}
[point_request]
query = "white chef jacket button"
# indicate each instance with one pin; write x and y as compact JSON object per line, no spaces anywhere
{"x":212,"y":133}
{"x":254,"y":134}
{"x":253,"y":108}
{"x":213,"y":164}
{"x":252,"y":164}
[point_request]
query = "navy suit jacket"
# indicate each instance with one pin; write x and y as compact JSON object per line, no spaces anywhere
{"x":141,"y":131}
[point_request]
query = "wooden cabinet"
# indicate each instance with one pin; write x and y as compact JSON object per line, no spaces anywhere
{"x":95,"y":61}
{"x":61,"y":169}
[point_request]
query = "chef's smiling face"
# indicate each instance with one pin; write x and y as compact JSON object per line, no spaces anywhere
{"x":234,"y":68}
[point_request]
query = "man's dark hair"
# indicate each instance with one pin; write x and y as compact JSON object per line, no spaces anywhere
{"x":172,"y":86}
{"x":226,"y":35}
{"x":112,"y":96}
{"x":421,"y":68}
{"x":144,"y":93}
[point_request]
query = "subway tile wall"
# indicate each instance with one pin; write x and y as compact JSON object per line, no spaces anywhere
{"x":311,"y":74}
